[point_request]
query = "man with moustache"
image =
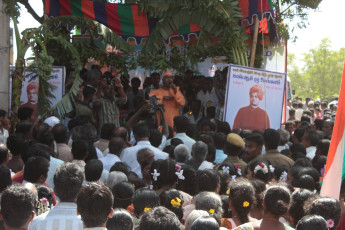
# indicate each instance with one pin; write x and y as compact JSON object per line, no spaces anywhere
{"x":169,"y":95}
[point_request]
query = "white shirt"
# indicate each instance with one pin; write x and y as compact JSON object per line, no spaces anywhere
{"x":298,"y":113}
{"x":189,"y":142}
{"x":129,"y":155}
{"x":205,"y":165}
{"x":311,"y":152}
{"x":62,"y":216}
{"x":53,"y":164}
{"x":3,"y":136}
{"x":109,"y":160}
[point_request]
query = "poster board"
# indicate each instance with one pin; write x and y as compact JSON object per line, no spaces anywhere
{"x":261,"y":110}
{"x":58,"y":76}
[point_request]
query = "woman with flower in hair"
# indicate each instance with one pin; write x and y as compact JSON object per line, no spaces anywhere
{"x":241,"y":201}
{"x":164,"y":176}
{"x":260,"y":169}
{"x":328,"y":208}
{"x":172,"y":200}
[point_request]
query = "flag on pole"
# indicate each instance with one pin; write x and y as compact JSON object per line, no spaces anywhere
{"x":335,"y":166}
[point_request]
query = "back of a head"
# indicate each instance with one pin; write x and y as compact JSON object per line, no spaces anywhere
{"x":114,"y":178}
{"x":144,"y":198}
{"x":163,"y":173}
{"x":172,"y":200}
{"x":189,"y":183}
{"x":141,"y":131}
{"x":176,"y":141}
{"x":219,"y":140}
{"x":24,"y":113}
{"x":313,"y":222}
{"x":277,"y":200}
{"x":116,"y":145}
{"x":36,"y":169}
{"x":312,"y":137}
{"x":4,"y":154}
{"x":46,"y":138}
{"x":121,"y":220}
{"x":323,"y":146}
{"x":298,"y":147}
{"x":80,"y":149}
{"x":181,"y":153}
{"x":242,"y":197}
{"x":107,"y":131}
{"x":210,"y":202}
{"x":195,"y":214}
{"x":60,"y":133}
{"x":284,"y":136}
{"x":199,"y":151}
{"x":68,"y":180}
{"x":326,"y":207}
{"x":155,"y":137}
{"x":303,"y":161}
{"x":24,"y":127}
{"x":38,"y":129}
{"x":208,"y":180}
{"x":94,"y":203}
{"x":121,"y":167}
{"x":36,"y":150}
{"x":159,"y":218}
{"x":123,"y":193}
{"x":299,"y":197}
{"x":93,"y":170}
{"x":181,"y":124}
{"x":304,"y":182}
{"x":5,"y":175}
{"x":16,"y":143}
{"x":205,"y":223}
{"x":271,"y":138}
{"x":299,"y":132}
{"x":17,"y":206}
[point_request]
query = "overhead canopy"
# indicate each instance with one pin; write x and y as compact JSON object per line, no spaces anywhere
{"x":128,"y":22}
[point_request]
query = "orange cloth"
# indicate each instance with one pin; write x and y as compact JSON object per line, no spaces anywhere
{"x":171,"y":106}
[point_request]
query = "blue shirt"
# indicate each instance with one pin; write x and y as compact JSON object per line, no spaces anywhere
{"x":220,"y":156}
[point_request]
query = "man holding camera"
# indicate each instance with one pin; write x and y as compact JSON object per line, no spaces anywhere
{"x":169,"y":95}
{"x":107,"y":104}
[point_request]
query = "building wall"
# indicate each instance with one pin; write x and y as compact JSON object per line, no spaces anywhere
{"x":4,"y":57}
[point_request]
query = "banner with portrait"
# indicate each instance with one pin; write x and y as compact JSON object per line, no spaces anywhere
{"x":254,"y":98}
{"x":29,"y":95}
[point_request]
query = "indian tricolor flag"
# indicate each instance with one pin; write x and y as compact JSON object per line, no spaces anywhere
{"x":335,"y":166}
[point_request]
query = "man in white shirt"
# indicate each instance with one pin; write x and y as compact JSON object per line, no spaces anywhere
{"x":180,"y":126}
{"x":299,"y":111}
{"x":129,"y":155}
{"x":68,"y":180}
{"x":116,"y":144}
{"x":199,"y":152}
{"x":310,"y":140}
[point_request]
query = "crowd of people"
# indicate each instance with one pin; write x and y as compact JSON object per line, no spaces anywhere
{"x":162,"y":158}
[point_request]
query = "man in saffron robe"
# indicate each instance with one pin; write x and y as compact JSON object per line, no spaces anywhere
{"x":169,"y":95}
{"x":252,"y":117}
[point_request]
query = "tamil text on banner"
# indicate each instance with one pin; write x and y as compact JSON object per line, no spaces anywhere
{"x":335,"y":167}
{"x":29,"y":96}
{"x":254,"y":98}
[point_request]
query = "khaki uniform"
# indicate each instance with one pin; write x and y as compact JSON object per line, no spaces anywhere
{"x":276,"y":158}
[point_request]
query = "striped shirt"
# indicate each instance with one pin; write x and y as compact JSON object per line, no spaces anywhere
{"x":109,"y":111}
{"x":62,"y":217}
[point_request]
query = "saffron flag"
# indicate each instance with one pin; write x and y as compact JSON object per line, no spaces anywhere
{"x":335,"y":166}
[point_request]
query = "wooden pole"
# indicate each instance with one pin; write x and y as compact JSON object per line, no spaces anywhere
{"x":255,"y":41}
